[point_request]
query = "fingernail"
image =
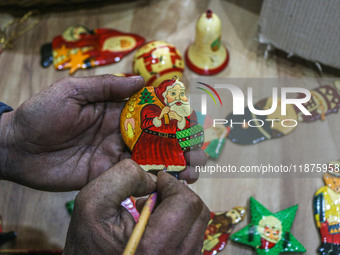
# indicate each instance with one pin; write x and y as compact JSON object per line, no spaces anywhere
{"x":136,"y":77}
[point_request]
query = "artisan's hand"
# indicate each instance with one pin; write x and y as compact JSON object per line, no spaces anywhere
{"x":66,"y":135}
{"x":100,"y":225}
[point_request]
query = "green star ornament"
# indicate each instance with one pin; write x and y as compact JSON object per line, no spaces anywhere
{"x":269,"y":233}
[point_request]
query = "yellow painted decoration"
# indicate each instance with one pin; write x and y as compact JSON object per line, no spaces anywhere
{"x":157,"y":61}
{"x":62,"y":51}
{"x":130,"y":131}
{"x":327,"y":211}
{"x":131,"y":114}
{"x":207,"y":55}
{"x":76,"y":62}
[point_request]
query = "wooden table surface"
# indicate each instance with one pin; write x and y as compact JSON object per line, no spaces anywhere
{"x":40,"y":218}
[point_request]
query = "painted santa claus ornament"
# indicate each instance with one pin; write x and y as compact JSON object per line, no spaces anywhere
{"x":158,"y":126}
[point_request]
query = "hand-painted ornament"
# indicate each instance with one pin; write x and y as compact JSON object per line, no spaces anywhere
{"x":257,"y":128}
{"x":324,"y":100}
{"x":269,"y":233}
{"x":81,"y":48}
{"x":157,"y":61}
{"x":214,"y":137}
{"x":326,"y":205}
{"x":219,"y":229}
{"x":158,"y":125}
{"x":207,"y":55}
{"x":129,"y":204}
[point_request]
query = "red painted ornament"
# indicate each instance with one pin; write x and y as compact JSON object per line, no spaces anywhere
{"x":219,"y":229}
{"x":158,"y":125}
{"x":81,"y":48}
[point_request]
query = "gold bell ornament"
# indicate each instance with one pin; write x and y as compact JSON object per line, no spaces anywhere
{"x":207,"y":55}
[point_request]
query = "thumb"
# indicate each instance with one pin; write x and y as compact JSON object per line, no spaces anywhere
{"x":106,"y":87}
{"x":105,"y":194}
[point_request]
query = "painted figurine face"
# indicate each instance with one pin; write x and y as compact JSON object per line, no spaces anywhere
{"x":177,"y":93}
{"x":73,"y":33}
{"x":332,"y":181}
{"x":236,"y":214}
{"x":176,"y":98}
{"x":270,"y":229}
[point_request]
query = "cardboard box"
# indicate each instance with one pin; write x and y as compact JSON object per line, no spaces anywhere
{"x":306,"y":28}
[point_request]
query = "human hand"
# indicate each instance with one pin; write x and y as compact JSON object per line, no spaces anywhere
{"x":100,"y":225}
{"x":66,"y":135}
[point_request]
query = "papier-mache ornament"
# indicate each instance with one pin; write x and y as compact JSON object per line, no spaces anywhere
{"x":129,"y":204}
{"x":269,"y":233}
{"x":158,"y":126}
{"x":324,"y":100}
{"x":214,"y":137}
{"x":157,"y":61}
{"x":80,"y":48}
{"x":207,"y":55}
{"x":256,"y":128}
{"x":326,"y":206}
{"x":219,"y":229}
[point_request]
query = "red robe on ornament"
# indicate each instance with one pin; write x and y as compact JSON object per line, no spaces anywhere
{"x":160,"y":148}
{"x":266,"y":244}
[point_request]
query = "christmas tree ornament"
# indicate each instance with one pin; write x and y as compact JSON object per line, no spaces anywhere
{"x":326,"y":205}
{"x":207,"y":55}
{"x":324,"y":100}
{"x":269,"y":233}
{"x":81,"y":48}
{"x":219,"y":229}
{"x":256,"y":128}
{"x":157,"y":61}
{"x":158,"y":125}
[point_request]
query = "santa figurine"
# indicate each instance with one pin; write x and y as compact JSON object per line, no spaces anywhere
{"x":158,"y":147}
